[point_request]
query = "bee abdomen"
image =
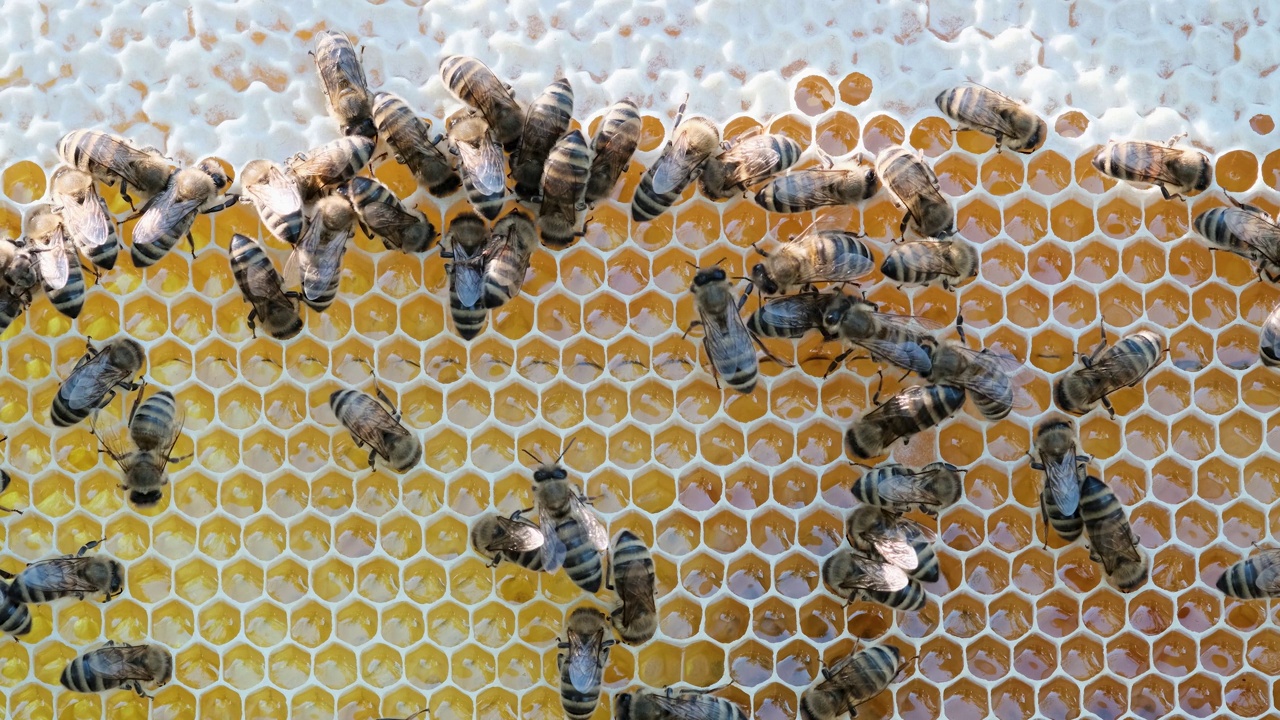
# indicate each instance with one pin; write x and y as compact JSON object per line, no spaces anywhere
{"x":1269,"y":339}
{"x":927,"y":568}
{"x":614,"y":144}
{"x":581,"y":560}
{"x":1067,"y":527}
{"x":1241,"y":581}
{"x":486,"y":205}
{"x":547,"y":121}
{"x":648,"y":204}
{"x":995,"y":408}
{"x":529,"y":559}
{"x":578,"y":705}
{"x":69,"y":299}
{"x":909,"y":599}
{"x":15,"y":617}
{"x":149,"y":251}
{"x":468,"y":321}
{"x":77,"y":676}
{"x":153,"y":421}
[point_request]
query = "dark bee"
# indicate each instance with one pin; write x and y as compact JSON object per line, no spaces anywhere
{"x":1068,"y":526}
{"x":986,"y":375}
{"x":467,"y":239}
{"x":109,"y":158}
{"x":276,"y":196}
{"x":1254,"y":578}
{"x":563,"y":185}
{"x":911,"y":598}
{"x":323,"y":168}
{"x":13,"y":302}
{"x":1106,"y":370}
{"x":18,"y":264}
{"x":1011,"y":123}
{"x":372,"y":424}
{"x":1111,"y":541}
{"x":850,"y":683}
{"x":472,"y":82}
{"x":1269,"y":339}
{"x":547,"y":121}
{"x":1174,"y":171}
{"x":746,"y":161}
{"x":119,"y":666}
{"x":849,"y":574}
{"x":382,"y":214}
{"x":914,"y":188}
{"x":1063,"y":466}
{"x":91,"y":384}
{"x":263,"y":289}
{"x":481,"y":164}
{"x":582,"y":667}
{"x":512,"y":539}
{"x":631,"y":576}
{"x":898,"y":488}
{"x":612,"y":147}
{"x":67,"y":576}
{"x":818,"y":187}
{"x":15,"y":617}
{"x":949,"y":262}
{"x":409,"y":138}
{"x":911,"y":411}
{"x":342,"y":76}
{"x":510,"y":250}
{"x":687,"y":704}
{"x":900,"y":340}
{"x":729,"y":345}
{"x":822,"y":253}
{"x":898,"y":540}
{"x":692,"y":142}
{"x":168,"y":216}
{"x":791,"y":316}
{"x":56,"y":261}
{"x":575,"y":539}
{"x":317,"y":260}
{"x":143,"y":452}
{"x":1246,"y":231}
{"x":85,"y":216}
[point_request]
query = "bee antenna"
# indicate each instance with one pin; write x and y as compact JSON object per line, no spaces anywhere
{"x":423,"y":711}
{"x":861,"y":465}
{"x":535,"y":458}
{"x":568,"y":446}
{"x":719,"y":262}
{"x":692,"y":265}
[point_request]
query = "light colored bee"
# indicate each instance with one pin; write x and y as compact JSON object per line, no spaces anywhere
{"x":509,"y":253}
{"x":901,"y":340}
{"x":791,"y":316}
{"x":109,"y":158}
{"x":15,"y":617}
{"x":814,"y":188}
{"x":143,"y":448}
{"x":468,"y":236}
{"x":1269,"y":339}
{"x":168,"y":216}
{"x":1245,"y":230}
{"x":849,"y":574}
{"x":612,"y":147}
{"x":56,"y":261}
{"x":948,"y":262}
{"x":582,"y":667}
{"x":276,"y":196}
{"x":323,"y":168}
{"x":1011,"y":123}
{"x":823,"y":252}
{"x":263,"y":289}
{"x":693,"y":142}
{"x":133,"y":667}
{"x":898,"y":540}
{"x":671,"y":704}
{"x":1063,"y":466}
{"x":748,"y":160}
{"x":345,"y":86}
{"x":730,"y":346}
{"x":18,"y":264}
{"x":574,"y":536}
{"x":914,"y":188}
{"x":481,"y":164}
{"x":563,"y":184}
{"x":1108,"y":369}
{"x":1111,"y":541}
{"x":851,"y":682}
{"x":472,"y":82}
{"x":512,"y":539}
{"x":987,"y":376}
{"x":372,"y":424}
{"x":91,"y":384}
{"x":382,"y":214}
{"x":85,"y":216}
{"x":1253,"y":578}
{"x":316,"y":262}
{"x":546,"y":122}
{"x":898,"y":488}
{"x":1174,"y":171}
{"x":67,"y":576}
{"x":631,"y":576}
{"x":409,"y":137}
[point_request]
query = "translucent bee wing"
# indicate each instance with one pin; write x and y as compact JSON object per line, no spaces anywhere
{"x":484,"y":165}
{"x":585,"y":670}
{"x":596,"y":532}
{"x":553,"y":549}
{"x":1061,"y":478}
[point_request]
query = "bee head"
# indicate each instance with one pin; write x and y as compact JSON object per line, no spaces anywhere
{"x":1036,"y":138}
{"x":708,"y":276}
{"x":211,"y":168}
{"x":873,"y":183}
{"x":145,"y":498}
{"x":836,"y":310}
{"x":115,"y":578}
{"x":760,"y":276}
{"x":623,"y":706}
{"x":550,"y":472}
{"x":364,"y":128}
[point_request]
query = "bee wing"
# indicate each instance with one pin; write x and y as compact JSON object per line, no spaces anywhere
{"x":1113,"y":544}
{"x":88,"y":222}
{"x":375,"y":426}
{"x":468,"y":277}
{"x":585,"y":671}
{"x":1158,"y":169}
{"x":728,"y":342}
{"x":932,"y":262}
{"x":754,"y":162}
{"x":386,"y":219}
{"x":634,"y":584}
{"x":687,"y":706}
{"x":345,"y":73}
{"x":553,"y":549}
{"x":677,"y":165}
{"x":1256,"y":231}
{"x":118,"y":443}
{"x":911,"y":356}
{"x":596,"y":534}
{"x":517,"y":536}
{"x":1268,"y":576}
{"x":995,"y":114}
{"x":1111,"y":361}
{"x":164,"y":214}
{"x":119,"y":663}
{"x":484,"y":165}
{"x":58,"y":575}
{"x":907,"y":488}
{"x":54,"y":262}
{"x":84,"y":389}
{"x":320,"y":261}
{"x":796,"y":313}
{"x":1061,"y":477}
{"x":278,"y":191}
{"x":893,"y":545}
{"x":874,"y":575}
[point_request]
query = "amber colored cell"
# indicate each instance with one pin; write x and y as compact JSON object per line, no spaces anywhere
{"x":1152,"y":697}
{"x":814,"y":95}
{"x":957,"y":174}
{"x":837,"y":134}
{"x":1200,"y":696}
{"x":1262,"y":124}
{"x":880,"y":132}
{"x":855,"y":88}
{"x":1071,"y":124}
{"x":1002,"y":173}
{"x":24,"y":182}
{"x":1012,"y":699}
{"x":795,"y":127}
{"x":932,"y":136}
{"x":1236,"y":171}
{"x":1071,"y":220}
{"x":1089,"y":178}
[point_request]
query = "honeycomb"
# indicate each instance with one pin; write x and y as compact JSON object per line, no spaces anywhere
{"x":289,"y":581}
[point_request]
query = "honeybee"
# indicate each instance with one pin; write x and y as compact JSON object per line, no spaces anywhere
{"x":85,"y":216}
{"x":509,"y":252}
{"x":898,"y":488}
{"x":512,"y":539}
{"x":325,"y":167}
{"x":818,"y":187}
{"x":481,"y":164}
{"x":821,"y":253}
{"x":342,"y":76}
{"x":612,"y":147}
{"x":317,"y":260}
{"x":109,"y":158}
{"x":18,"y":264}
{"x":168,"y":217}
{"x":56,"y":261}
{"x":574,"y":537}
{"x":15,"y":617}
{"x":13,"y":302}
{"x":1068,"y":526}
{"x":686,"y":704}
{"x":276,"y":196}
{"x":1172,"y":170}
{"x":1246,"y":231}
{"x":472,"y":82}
{"x":382,"y":214}
{"x":949,"y":262}
{"x":851,"y":682}
{"x":850,"y":573}
{"x":1111,"y":540}
{"x":1269,"y":339}
{"x":119,"y":666}
{"x":1063,"y":466}
{"x":372,"y":424}
{"x":77,"y":575}
{"x":91,"y":384}
{"x":746,"y":161}
{"x":263,"y":289}
{"x":563,"y":185}
{"x":914,"y":188}
{"x":143,"y":451}
{"x":900,"y":340}
{"x":913,"y":410}
{"x":409,"y":138}
{"x":1107,"y":370}
{"x":631,"y":575}
{"x":729,"y":345}
{"x":692,"y":142}
{"x":900,"y":541}
{"x":1253,"y":578}
{"x":582,"y":667}
{"x":791,"y":316}
{"x":546,"y":122}
{"x":987,"y":376}
{"x":468,"y":237}
{"x":1011,"y":123}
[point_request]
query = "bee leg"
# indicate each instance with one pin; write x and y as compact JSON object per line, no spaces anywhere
{"x":9,"y":576}
{"x":180,"y":458}
{"x":880,"y":386}
{"x":960,"y":327}
{"x":89,"y":546}
{"x":231,"y":200}
{"x":137,"y":400}
{"x":1107,"y":404}
{"x":124,"y":193}
{"x":12,"y":510}
{"x":373,"y":456}
{"x":692,"y":325}
{"x":253,"y":322}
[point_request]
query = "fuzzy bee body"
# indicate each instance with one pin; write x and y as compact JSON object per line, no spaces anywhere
{"x":91,"y":385}
{"x":382,"y":214}
{"x":913,"y":186}
{"x":1067,"y":525}
{"x":481,"y":164}
{"x":612,"y":147}
{"x":1173,"y":170}
{"x":575,"y":537}
{"x":1246,"y":231}
{"x":119,"y":666}
{"x":472,"y":82}
{"x":323,"y":168}
{"x":791,"y":316}
{"x":168,"y":216}
{"x":921,"y":262}
{"x":1107,"y":370}
{"x":1111,"y":541}
{"x":409,"y":137}
{"x":901,"y":340}
{"x":808,"y":190}
{"x":263,"y":289}
{"x":13,"y":302}
{"x":109,"y":158}
{"x":56,"y":261}
{"x":898,"y":488}
{"x":693,"y":142}
{"x":986,"y":376}
{"x":746,"y":162}
{"x":850,"y":574}
{"x":821,"y":253}
{"x":318,"y":256}
{"x":564,"y":183}
{"x":913,"y":410}
{"x":511,"y":539}
{"x":728,"y":343}
{"x":546,"y":122}
{"x":143,"y":449}
{"x":851,"y":682}
{"x":276,"y":196}
{"x":670,"y":704}
{"x":1011,"y":123}
{"x":345,"y":86}
{"x":1254,"y":578}
{"x":582,"y":665}
{"x":510,"y":250}
{"x":85,"y":217}
{"x":1064,"y":471}
{"x":631,"y":575}
{"x":898,"y":540}
{"x":68,"y":576}
{"x":468,"y":236}
{"x":15,"y":617}
{"x":372,"y":424}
